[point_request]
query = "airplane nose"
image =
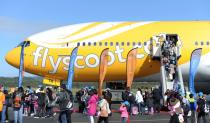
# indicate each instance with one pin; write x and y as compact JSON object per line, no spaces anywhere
{"x":13,"y":57}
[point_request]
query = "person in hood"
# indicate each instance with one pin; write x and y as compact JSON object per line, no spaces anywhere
{"x":104,"y":110}
{"x":139,"y":100}
{"x":92,"y":105}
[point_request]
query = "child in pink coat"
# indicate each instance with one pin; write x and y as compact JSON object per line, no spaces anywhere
{"x":92,"y":105}
{"x":124,"y":112}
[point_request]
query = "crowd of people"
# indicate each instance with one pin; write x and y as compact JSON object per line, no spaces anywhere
{"x":38,"y":103}
{"x":170,"y":57}
{"x":183,"y":108}
{"x":45,"y":102}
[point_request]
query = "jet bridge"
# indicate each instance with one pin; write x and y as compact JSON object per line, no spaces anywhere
{"x":167,"y":49}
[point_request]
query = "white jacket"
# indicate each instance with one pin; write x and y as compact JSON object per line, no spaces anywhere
{"x":139,"y":97}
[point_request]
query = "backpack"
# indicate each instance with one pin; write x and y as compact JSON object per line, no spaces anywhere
{"x":131,"y":98}
{"x":186,"y":109}
{"x":68,"y":100}
{"x":17,"y":101}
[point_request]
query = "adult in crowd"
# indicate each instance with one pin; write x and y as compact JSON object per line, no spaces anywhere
{"x":201,"y":104}
{"x":108,"y":96}
{"x":49,"y":102}
{"x":186,"y":108}
{"x":139,"y":101}
{"x":156,"y":93}
{"x":91,"y":108}
{"x":65,"y":105}
{"x":193,"y":106}
{"x":127,"y":95}
{"x":18,"y":100}
{"x":176,"y":110}
{"x":104,"y":110}
{"x":41,"y":103}
{"x":80,"y":96}
{"x":2,"y":103}
{"x":7,"y":104}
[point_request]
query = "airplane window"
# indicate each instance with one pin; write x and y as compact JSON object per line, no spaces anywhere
{"x":100,"y":43}
{"x":89,"y":43}
{"x":145,"y":43}
{"x":94,"y":43}
{"x":117,"y":43}
{"x":196,"y":43}
{"x":67,"y":44}
{"x":128,"y":43}
{"x":139,"y":43}
{"x":78,"y":44}
{"x":105,"y":43}
{"x":201,"y":43}
{"x":207,"y":43}
{"x":83,"y":43}
{"x":122,"y":43}
{"x":134,"y":43}
{"x":111,"y":43}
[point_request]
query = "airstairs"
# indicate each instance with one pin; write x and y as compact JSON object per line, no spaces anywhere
{"x":166,"y":48}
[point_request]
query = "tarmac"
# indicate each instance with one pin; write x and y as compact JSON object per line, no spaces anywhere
{"x":162,"y":117}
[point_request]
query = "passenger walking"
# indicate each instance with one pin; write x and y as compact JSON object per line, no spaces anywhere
{"x":201,"y":102}
{"x":156,"y":93}
{"x":139,"y":101}
{"x":104,"y":110}
{"x":49,"y":103}
{"x":41,"y":102}
{"x":193,"y":108}
{"x":176,"y":111}
{"x":186,"y":108}
{"x":108,"y":97}
{"x":91,"y":108}
{"x":2,"y":104}
{"x":5,"y":107}
{"x":63,"y":99}
{"x":124,"y":111}
{"x":18,"y":98}
{"x":150,"y":104}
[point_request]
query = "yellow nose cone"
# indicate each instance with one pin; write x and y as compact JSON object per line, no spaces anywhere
{"x":13,"y":57}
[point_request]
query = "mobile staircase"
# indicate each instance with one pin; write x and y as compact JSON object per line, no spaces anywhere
{"x":166,"y":48}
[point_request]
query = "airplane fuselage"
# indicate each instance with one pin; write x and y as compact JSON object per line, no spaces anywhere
{"x":49,"y":52}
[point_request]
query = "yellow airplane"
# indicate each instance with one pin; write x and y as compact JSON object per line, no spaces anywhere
{"x":48,"y":53}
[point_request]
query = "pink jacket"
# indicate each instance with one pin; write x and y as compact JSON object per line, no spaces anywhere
{"x":92,"y":105}
{"x":124,"y":112}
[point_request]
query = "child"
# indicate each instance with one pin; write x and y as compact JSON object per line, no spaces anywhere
{"x":124,"y":111}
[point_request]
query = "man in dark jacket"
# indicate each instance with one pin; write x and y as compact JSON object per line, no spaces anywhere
{"x":201,"y":108}
{"x":65,"y":101}
{"x":157,"y":97}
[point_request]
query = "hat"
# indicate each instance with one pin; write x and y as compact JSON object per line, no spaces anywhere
{"x":200,"y":94}
{"x":126,"y":103}
{"x":63,"y":86}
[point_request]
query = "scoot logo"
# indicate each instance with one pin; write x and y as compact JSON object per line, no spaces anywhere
{"x":42,"y":53}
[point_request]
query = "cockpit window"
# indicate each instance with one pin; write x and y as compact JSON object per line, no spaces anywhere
{"x":24,"y":43}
